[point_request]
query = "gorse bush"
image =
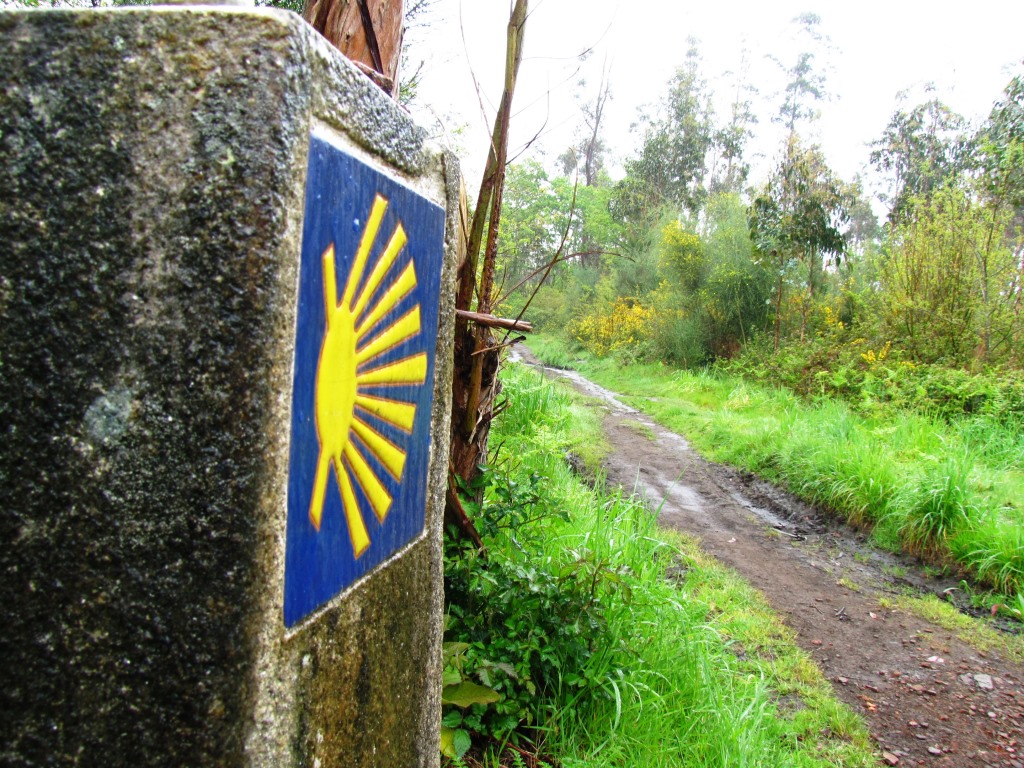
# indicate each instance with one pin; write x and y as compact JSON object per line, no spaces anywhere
{"x":627,"y":325}
{"x":681,"y":339}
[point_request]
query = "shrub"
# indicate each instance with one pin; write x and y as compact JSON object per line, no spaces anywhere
{"x":628,"y":325}
{"x":681,"y":339}
{"x":532,"y":626}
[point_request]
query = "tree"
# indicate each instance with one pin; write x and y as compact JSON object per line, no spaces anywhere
{"x":796,"y":221}
{"x":805,"y":84}
{"x":475,"y":385}
{"x":919,"y":151}
{"x":946,"y":284}
{"x":672,"y":165}
{"x":1001,"y":180}
{"x":738,"y":288}
{"x":530,"y":222}
{"x":368,"y":32}
{"x":1001,"y":149}
{"x":588,"y":154}
{"x":729,"y":170}
{"x":711,"y":293}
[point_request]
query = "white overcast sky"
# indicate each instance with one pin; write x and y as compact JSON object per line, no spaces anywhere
{"x":969,"y":51}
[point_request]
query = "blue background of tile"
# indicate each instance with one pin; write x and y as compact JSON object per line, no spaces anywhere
{"x":340,"y":190}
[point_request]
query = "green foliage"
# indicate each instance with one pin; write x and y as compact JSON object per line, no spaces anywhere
{"x":994,"y":549}
{"x":532,"y":625}
{"x":920,"y":151}
{"x":683,"y":301}
{"x":670,"y":169}
{"x":681,"y":339}
{"x":944,"y":280}
{"x":541,"y":215}
{"x":805,"y":84}
{"x":941,"y":507}
{"x":874,"y":380}
{"x":531,"y":220}
{"x":462,"y":693}
{"x":682,"y":257}
{"x":730,"y":170}
{"x":1001,"y":148}
{"x":737,"y":288}
{"x":795,"y":225}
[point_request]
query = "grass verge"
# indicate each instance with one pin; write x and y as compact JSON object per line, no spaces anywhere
{"x":608,"y":642}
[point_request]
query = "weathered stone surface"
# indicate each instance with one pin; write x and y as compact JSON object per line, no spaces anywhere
{"x":151,"y":181}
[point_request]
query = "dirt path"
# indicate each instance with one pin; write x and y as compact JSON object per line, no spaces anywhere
{"x":928,"y":698}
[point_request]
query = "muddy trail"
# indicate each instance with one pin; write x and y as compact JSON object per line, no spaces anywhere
{"x":928,"y":698}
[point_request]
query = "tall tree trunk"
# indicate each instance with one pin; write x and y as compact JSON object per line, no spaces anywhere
{"x":475,"y":384}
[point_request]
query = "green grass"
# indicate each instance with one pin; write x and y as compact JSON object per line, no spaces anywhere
{"x":685,"y":664}
{"x":952,"y":493}
{"x":968,"y":629}
{"x":640,"y":428}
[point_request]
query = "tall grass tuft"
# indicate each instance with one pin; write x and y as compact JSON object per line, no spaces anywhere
{"x":995,"y":551}
{"x":940,"y":508}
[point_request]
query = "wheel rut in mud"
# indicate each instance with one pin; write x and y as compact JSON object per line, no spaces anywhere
{"x":928,"y":698}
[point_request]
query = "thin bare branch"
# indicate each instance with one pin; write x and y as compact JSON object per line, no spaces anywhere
{"x":501,"y":345}
{"x":491,"y":321}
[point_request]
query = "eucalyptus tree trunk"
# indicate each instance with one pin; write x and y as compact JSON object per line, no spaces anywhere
{"x":476,"y":384}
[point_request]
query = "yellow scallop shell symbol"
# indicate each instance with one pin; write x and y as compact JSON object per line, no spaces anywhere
{"x":350,"y":375}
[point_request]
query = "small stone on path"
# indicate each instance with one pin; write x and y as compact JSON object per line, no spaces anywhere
{"x":890,"y":758}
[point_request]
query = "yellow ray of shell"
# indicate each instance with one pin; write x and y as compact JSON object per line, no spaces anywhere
{"x":394,"y":412}
{"x":375,"y":491}
{"x":395,"y":246}
{"x":398,"y":291}
{"x":390,"y":455}
{"x":356,"y":527}
{"x":380,"y":205}
{"x":316,"y":504}
{"x":330,"y":283}
{"x":403,"y":329}
{"x":408,"y":370}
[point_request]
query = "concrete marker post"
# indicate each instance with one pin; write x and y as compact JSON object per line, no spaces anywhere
{"x":170,"y":182}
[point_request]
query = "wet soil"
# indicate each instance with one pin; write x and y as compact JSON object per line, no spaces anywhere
{"x":928,"y":698}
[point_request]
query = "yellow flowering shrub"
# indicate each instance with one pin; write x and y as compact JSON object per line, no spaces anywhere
{"x":873,"y":358}
{"x":627,"y":324}
{"x":831,"y":322}
{"x":682,"y":255}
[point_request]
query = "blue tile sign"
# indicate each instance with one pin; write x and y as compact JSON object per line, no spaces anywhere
{"x":364,"y":371}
